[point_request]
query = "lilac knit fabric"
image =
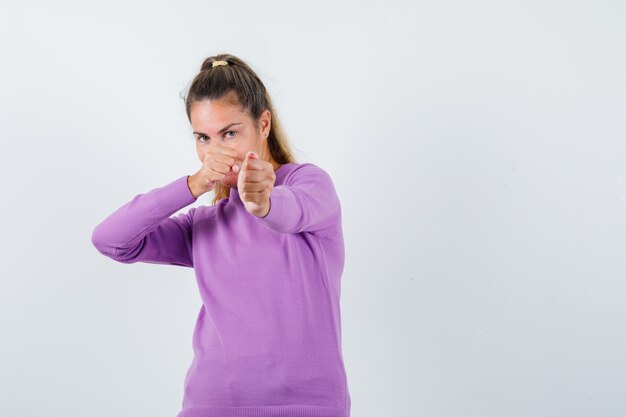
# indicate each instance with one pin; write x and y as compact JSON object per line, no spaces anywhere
{"x":267,"y":340}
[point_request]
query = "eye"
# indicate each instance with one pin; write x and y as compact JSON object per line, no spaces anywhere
{"x":200,"y":137}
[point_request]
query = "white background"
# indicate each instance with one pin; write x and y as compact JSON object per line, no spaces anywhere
{"x":478,"y":149}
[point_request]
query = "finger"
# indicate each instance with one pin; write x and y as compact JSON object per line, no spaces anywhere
{"x":227,"y":150}
{"x":253,"y":161}
{"x":220,"y":168}
{"x":252,"y":196}
{"x":255,"y":175}
{"x":246,"y":161}
{"x":254,"y":187}
{"x":223,"y":158}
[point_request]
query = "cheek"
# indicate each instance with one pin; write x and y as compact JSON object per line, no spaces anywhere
{"x":202,"y":151}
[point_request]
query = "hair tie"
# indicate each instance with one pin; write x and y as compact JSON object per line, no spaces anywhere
{"x":216,"y":63}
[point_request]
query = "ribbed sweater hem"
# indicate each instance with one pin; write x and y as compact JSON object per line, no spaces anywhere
{"x":264,"y":411}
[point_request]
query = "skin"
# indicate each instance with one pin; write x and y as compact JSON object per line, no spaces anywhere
{"x":237,"y":157}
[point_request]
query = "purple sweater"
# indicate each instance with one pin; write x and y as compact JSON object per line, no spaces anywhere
{"x":267,"y":340}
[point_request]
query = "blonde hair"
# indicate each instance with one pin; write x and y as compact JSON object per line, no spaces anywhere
{"x":216,"y":82}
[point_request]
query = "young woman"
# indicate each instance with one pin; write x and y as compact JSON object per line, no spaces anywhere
{"x":268,"y":256}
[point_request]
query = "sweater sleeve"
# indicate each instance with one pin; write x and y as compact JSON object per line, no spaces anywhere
{"x":143,"y":231}
{"x":305,"y":202}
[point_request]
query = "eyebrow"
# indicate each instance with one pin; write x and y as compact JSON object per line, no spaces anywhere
{"x":221,"y":130}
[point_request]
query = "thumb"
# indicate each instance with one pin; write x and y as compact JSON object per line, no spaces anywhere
{"x":249,"y":155}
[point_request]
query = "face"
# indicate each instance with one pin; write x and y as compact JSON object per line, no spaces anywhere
{"x":222,"y":122}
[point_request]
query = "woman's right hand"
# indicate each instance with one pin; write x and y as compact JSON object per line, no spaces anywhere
{"x":218,"y":162}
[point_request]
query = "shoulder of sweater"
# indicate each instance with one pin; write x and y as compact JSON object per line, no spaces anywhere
{"x":305,"y":169}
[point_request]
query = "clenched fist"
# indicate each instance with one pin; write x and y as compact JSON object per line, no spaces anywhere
{"x":218,"y":163}
{"x":255,"y":184}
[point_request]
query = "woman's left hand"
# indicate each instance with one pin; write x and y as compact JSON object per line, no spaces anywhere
{"x":255,"y":183}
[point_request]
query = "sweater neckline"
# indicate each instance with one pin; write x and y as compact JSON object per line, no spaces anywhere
{"x":234,"y":193}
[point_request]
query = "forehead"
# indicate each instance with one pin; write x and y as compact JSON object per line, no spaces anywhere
{"x":215,"y":114}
